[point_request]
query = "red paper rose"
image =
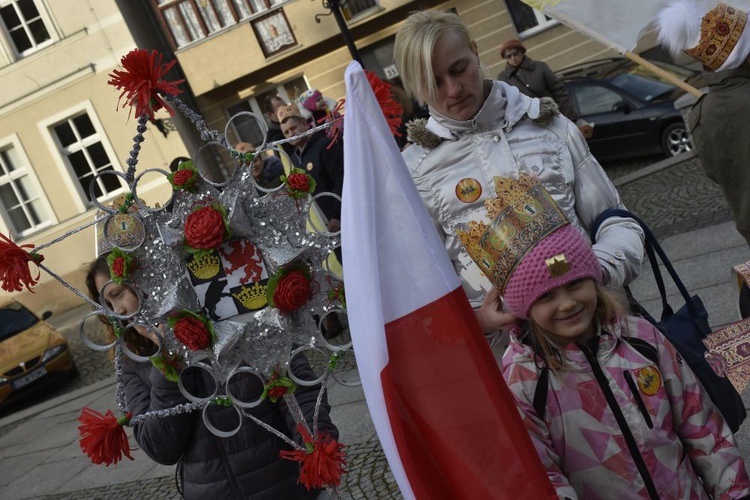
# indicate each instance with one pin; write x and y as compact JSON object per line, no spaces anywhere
{"x":193,"y":333}
{"x":300,"y":182}
{"x":205,"y":228}
{"x":182,"y":177}
{"x":292,"y":291}
{"x":118,"y":266}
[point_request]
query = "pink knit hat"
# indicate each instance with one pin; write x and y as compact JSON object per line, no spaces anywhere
{"x":560,"y":258}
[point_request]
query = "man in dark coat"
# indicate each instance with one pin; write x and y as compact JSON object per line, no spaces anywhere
{"x":534,"y":78}
{"x":321,"y":158}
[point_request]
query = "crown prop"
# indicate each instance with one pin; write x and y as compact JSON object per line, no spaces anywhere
{"x":721,"y":29}
{"x":521,"y":215}
{"x":154,"y":239}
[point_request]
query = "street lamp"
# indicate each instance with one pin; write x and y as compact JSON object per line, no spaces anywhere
{"x":335,"y":8}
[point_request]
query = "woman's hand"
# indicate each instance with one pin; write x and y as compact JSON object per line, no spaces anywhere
{"x":491,"y":315}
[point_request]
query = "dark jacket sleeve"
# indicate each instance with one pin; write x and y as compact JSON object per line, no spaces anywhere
{"x":146,"y":389}
{"x":333,"y":163}
{"x":306,"y":398}
{"x":559,"y":93}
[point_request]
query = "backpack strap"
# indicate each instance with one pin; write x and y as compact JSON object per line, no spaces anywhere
{"x":540,"y":392}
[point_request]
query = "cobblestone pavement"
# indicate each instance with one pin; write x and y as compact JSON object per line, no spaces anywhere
{"x":672,"y":200}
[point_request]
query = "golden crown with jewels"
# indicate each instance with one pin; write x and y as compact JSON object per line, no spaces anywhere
{"x":521,"y":214}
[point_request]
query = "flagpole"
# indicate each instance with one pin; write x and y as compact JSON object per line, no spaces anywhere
{"x":670,"y":77}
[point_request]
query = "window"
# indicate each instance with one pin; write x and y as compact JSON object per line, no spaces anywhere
{"x":357,"y":8}
{"x":245,"y":127}
{"x":24,"y":25}
{"x":24,"y":211}
{"x":81,"y":144}
{"x":593,"y":99}
{"x":527,"y":20}
{"x":273,"y":33}
{"x":192,"y":20}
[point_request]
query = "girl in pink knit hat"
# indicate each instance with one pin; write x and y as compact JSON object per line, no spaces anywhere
{"x":611,"y":408}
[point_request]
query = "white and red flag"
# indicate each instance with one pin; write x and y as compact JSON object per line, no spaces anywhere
{"x":445,"y":418}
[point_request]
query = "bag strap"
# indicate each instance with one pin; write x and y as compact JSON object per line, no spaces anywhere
{"x":652,"y":250}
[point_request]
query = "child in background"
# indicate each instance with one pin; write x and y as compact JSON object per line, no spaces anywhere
{"x":322,"y":109}
{"x":611,"y":408}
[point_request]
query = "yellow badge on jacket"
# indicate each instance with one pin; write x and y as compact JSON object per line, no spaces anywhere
{"x":649,"y":380}
{"x":310,"y":166}
{"x":468,"y":190}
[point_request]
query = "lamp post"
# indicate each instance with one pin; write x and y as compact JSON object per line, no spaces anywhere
{"x":335,"y":8}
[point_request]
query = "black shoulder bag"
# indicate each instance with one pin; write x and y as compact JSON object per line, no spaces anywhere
{"x":685,"y":328}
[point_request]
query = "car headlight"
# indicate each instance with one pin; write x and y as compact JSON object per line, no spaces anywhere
{"x":53,"y":352}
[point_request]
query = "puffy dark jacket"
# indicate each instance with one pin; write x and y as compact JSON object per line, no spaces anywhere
{"x":243,"y":466}
{"x":326,"y":165}
{"x":536,"y":79}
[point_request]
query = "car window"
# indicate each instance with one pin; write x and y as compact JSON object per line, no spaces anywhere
{"x":643,"y":88}
{"x":593,"y":99}
{"x":15,"y":318}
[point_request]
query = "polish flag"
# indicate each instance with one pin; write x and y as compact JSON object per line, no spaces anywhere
{"x":445,"y":418}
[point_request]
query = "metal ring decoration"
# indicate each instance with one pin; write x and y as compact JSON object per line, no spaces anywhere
{"x":324,"y":232}
{"x":136,"y":357}
{"x":235,"y":400}
{"x":138,"y":201}
{"x":197,"y":161}
{"x":108,"y":311}
{"x":214,"y":430}
{"x":188,"y":395}
{"x":337,"y":377}
{"x":298,"y":380}
{"x":86,"y":340}
{"x":261,"y":123}
{"x":129,"y":238}
{"x":93,"y":184}
{"x":281,"y":186}
{"x":327,"y":264}
{"x":322,"y":339}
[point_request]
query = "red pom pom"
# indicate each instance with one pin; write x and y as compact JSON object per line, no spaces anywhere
{"x":322,"y":462}
{"x":14,"y":265}
{"x":103,"y":438}
{"x":141,"y":81}
{"x":392,"y":109}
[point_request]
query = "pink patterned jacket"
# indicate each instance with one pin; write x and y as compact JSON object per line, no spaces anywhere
{"x":676,"y":434}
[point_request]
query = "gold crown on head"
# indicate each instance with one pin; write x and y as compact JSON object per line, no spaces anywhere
{"x":253,"y":297}
{"x":721,"y":29}
{"x":521,"y":214}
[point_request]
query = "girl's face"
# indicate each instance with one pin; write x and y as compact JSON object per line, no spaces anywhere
{"x":119,"y":297}
{"x":566,"y":313}
{"x":320,"y":103}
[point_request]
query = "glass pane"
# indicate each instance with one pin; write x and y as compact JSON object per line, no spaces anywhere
{"x":11,"y":160}
{"x":98,"y":155}
{"x":111,"y":182}
{"x":295,"y":87}
{"x":84,"y":126}
{"x":28,"y":9}
{"x":225,"y":12}
{"x":8,"y":196}
{"x":209,"y":17}
{"x":85,"y":184}
{"x":523,"y":16}
{"x":242,"y":9}
{"x":592,"y":99}
{"x":65,"y":134}
{"x":21,"y":40}
{"x":181,"y":36}
{"x":10,"y":18}
{"x":36,"y":211}
{"x":18,"y":219}
{"x":24,"y":188}
{"x":80,"y":164}
{"x":191,"y":20}
{"x":39,"y":31}
{"x":258,"y":5}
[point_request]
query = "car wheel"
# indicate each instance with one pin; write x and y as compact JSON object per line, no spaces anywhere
{"x":675,"y":139}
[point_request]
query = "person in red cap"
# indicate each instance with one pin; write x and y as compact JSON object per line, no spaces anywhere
{"x":535,"y":79}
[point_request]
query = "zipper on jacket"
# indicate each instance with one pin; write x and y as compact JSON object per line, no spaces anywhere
{"x":617,"y":412}
{"x":638,"y":398}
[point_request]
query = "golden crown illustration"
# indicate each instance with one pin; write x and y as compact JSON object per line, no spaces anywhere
{"x":521,"y":214}
{"x":205,"y":267}
{"x":253,"y":297}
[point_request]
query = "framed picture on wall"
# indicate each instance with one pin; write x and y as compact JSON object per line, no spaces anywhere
{"x":273,"y":33}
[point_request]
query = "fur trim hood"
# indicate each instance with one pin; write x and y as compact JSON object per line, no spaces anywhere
{"x":504,"y":103}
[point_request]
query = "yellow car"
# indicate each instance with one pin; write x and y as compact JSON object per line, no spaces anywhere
{"x":32,"y":352}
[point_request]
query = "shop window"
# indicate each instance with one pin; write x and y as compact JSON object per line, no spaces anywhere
{"x":526,"y":19}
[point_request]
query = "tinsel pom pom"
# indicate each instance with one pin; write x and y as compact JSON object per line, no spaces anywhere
{"x":321,"y":462}
{"x":14,"y":265}
{"x":103,"y":437}
{"x":141,"y":81}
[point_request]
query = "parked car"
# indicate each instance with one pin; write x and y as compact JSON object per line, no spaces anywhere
{"x":633,"y":113}
{"x":32,"y":353}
